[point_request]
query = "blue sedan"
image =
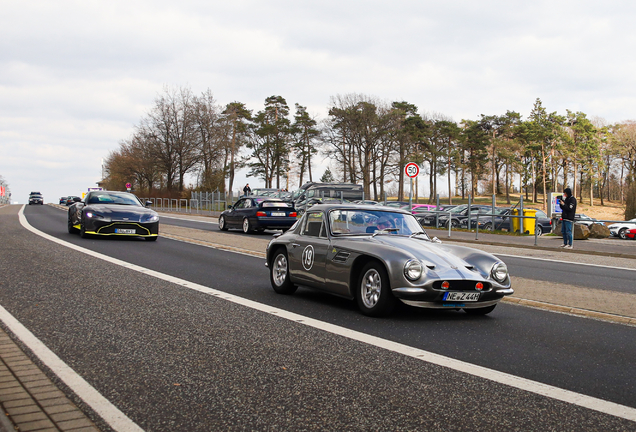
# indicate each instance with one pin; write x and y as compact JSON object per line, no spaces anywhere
{"x":258,"y":214}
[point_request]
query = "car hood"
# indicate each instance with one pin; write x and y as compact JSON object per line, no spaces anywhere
{"x":121,"y":212}
{"x":445,"y":261}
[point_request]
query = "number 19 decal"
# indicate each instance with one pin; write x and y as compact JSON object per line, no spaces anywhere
{"x":308,"y":257}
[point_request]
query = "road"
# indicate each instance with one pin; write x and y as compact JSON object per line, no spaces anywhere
{"x":173,"y":358}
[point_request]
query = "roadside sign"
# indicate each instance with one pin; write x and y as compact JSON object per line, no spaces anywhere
{"x":412,"y":170}
{"x":128,"y":186}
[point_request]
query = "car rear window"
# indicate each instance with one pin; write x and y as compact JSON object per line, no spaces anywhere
{"x":275,"y":204}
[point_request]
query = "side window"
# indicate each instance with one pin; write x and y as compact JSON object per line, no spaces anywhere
{"x":248,"y":203}
{"x":313,"y":225}
{"x":240,"y":204}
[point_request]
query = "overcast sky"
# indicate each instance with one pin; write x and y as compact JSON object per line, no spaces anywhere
{"x":76,"y":76}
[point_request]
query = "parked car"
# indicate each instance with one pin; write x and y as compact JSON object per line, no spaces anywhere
{"x":256,"y":213}
{"x":631,"y":234}
{"x":317,"y":191}
{"x":504,"y":222}
{"x":428,"y":217}
{"x":366,"y":202}
{"x":459,"y":213}
{"x":110,"y":213}
{"x":36,"y":198}
{"x":377,"y":256}
{"x":620,"y":229}
{"x":582,"y":219}
{"x":63,"y":200}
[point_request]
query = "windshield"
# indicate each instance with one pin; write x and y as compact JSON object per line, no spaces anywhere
{"x":121,"y":198}
{"x":458,"y":209}
{"x":367,"y":222}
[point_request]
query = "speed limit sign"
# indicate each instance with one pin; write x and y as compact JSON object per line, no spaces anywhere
{"x":412,"y":170}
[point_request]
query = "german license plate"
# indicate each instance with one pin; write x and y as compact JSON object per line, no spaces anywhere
{"x":279,"y":214}
{"x":124,"y":231}
{"x":461,"y":296}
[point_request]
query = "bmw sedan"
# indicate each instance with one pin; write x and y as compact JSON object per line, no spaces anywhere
{"x":258,"y":213}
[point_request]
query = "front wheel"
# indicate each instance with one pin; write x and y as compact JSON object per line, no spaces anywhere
{"x":71,"y":228}
{"x":488,"y":227}
{"x":279,"y":274}
{"x":622,"y":233}
{"x":83,"y":230}
{"x":247,"y":227}
{"x":222,"y":224}
{"x":480,"y":311}
{"x":374,"y":294}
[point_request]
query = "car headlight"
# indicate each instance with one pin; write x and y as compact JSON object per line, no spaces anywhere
{"x":94,"y":215}
{"x":413,"y":270}
{"x":152,"y":218}
{"x":499,"y":272}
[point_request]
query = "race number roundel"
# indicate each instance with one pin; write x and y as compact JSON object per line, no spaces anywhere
{"x":412,"y":169}
{"x":308,"y":257}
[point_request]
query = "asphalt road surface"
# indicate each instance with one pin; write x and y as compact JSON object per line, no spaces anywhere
{"x":172,"y":358}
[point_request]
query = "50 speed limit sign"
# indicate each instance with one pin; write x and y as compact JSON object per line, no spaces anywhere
{"x":412,"y":170}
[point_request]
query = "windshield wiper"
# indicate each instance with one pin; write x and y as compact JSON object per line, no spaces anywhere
{"x":383,"y":231}
{"x":418,"y":233}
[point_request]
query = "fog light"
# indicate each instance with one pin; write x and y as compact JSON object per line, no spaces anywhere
{"x":445,"y":285}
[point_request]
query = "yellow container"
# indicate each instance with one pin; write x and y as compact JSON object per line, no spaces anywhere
{"x":528,"y":224}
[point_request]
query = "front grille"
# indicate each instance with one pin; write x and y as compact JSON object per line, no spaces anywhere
{"x":460,"y":285}
{"x":110,"y":229}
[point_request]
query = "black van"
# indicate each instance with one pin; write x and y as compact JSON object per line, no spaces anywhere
{"x":314,"y":193}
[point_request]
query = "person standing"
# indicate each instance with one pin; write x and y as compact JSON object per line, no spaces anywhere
{"x":247,"y":190}
{"x":568,"y":209}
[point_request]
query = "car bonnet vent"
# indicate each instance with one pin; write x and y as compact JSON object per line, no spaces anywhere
{"x":341,"y":256}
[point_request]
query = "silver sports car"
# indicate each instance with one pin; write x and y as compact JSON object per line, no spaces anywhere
{"x":380,"y":255}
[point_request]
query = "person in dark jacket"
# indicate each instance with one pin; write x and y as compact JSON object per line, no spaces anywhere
{"x":568,"y":209}
{"x":247,"y":190}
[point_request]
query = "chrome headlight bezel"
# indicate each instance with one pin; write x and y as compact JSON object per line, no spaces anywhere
{"x":499,"y":272}
{"x":413,"y":270}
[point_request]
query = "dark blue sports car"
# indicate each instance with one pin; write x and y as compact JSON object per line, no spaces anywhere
{"x":258,"y":213}
{"x":109,"y":213}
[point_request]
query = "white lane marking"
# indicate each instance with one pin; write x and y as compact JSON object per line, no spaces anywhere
{"x":186,"y":219}
{"x":564,"y":262}
{"x":546,"y":390}
{"x":98,"y":403}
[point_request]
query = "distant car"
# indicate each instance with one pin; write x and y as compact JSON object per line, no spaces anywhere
{"x":459,"y":213}
{"x":70,"y":200}
{"x":63,"y":200}
{"x":110,"y":213}
{"x":631,"y":234}
{"x":423,"y":207}
{"x":429,"y":217}
{"x":36,"y":198}
{"x":366,"y":202}
{"x":620,"y":229}
{"x":396,"y":204}
{"x":258,"y":213}
{"x":377,"y":256}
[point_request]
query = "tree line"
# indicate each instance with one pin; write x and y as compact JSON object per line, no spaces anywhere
{"x":369,"y":141}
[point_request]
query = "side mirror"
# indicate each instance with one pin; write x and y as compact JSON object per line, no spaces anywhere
{"x":230,"y":207}
{"x":436,"y":240}
{"x":148,"y":203}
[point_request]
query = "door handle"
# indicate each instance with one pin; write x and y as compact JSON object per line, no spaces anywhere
{"x":295,"y":245}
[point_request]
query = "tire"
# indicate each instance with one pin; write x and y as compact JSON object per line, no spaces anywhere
{"x":279,"y":273}
{"x":621,"y":233}
{"x":374,"y":294}
{"x":222,"y":224}
{"x":83,"y":231}
{"x":487,"y":227}
{"x":480,"y":311}
{"x":71,"y":228}
{"x":247,"y":227}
